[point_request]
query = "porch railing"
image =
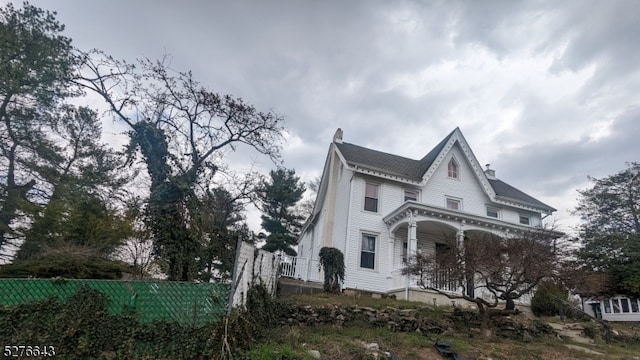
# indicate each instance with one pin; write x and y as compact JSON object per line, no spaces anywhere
{"x":441,"y":280}
{"x":301,"y":268}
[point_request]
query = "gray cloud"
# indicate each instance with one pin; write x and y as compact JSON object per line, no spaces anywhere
{"x":546,"y":91}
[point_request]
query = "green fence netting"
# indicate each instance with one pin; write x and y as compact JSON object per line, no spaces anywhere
{"x":186,"y":303}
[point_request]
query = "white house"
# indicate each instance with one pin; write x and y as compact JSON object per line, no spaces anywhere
{"x":616,"y":308}
{"x":377,"y":208}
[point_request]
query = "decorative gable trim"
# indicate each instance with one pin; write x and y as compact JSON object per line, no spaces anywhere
{"x":457,"y":137}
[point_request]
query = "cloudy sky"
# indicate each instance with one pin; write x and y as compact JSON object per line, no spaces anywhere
{"x":548,"y":92}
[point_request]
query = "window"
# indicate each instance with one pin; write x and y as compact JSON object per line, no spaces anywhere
{"x":625,"y":305}
{"x":492,"y":212}
{"x":453,"y":204}
{"x":452,"y":169}
{"x":410,"y":195}
{"x":371,"y":197}
{"x":634,"y":305}
{"x":524,"y":220}
{"x":405,"y":248}
{"x":368,"y":253}
{"x":607,"y":306}
{"x":616,"y":306}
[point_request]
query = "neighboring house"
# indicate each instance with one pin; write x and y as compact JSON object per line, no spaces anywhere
{"x":378,"y":208}
{"x":616,"y":308}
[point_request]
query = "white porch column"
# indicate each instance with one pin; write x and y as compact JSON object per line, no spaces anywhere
{"x":412,"y":247}
{"x":460,"y":241}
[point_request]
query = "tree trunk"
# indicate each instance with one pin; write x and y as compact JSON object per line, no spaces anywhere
{"x":511,"y":305}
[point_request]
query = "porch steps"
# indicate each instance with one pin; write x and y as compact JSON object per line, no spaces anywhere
{"x":288,"y":287}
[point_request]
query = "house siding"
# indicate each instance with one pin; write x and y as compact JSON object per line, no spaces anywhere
{"x":371,"y":223}
{"x":342,"y":220}
{"x":466,"y":187}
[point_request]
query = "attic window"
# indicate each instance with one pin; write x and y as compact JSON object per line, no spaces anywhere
{"x":525,"y":220}
{"x":410,"y":195}
{"x":452,"y":169}
{"x":453,"y":204}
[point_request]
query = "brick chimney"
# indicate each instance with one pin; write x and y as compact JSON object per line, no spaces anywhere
{"x":491,"y":174}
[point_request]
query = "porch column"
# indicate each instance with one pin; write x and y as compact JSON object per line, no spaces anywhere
{"x":412,"y":246}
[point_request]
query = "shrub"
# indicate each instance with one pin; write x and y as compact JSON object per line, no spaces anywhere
{"x":332,"y":260}
{"x":545,"y":300}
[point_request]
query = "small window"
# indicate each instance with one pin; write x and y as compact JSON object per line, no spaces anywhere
{"x":453,"y":204}
{"x":607,"y":306}
{"x":410,"y":195}
{"x":634,"y":305}
{"x":371,"y":197}
{"x":405,"y":248}
{"x":368,"y":253}
{"x":492,"y":212}
{"x":524,"y":220}
{"x":452,"y":169}
{"x":625,"y":305}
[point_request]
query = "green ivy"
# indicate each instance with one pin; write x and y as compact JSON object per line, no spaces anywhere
{"x":82,"y":328}
{"x":332,"y":260}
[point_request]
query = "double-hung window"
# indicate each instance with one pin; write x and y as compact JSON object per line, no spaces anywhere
{"x":368,"y":252}
{"x":371,"y":197}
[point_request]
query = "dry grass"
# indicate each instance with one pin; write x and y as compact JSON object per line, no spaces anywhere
{"x":349,"y":342}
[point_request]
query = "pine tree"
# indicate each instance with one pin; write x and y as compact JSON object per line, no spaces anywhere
{"x":278,"y":197}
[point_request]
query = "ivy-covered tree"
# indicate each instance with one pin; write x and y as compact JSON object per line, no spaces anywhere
{"x":181,"y":130}
{"x":332,"y":261}
{"x":36,"y":64}
{"x":278,"y":197}
{"x":610,"y":231}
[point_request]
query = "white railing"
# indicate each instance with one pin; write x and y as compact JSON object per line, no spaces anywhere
{"x":441,"y":280}
{"x":300,"y":268}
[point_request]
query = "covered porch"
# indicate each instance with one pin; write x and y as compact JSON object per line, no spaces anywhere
{"x":416,"y":228}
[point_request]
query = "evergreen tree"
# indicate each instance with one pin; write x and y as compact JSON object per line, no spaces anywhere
{"x":36,"y":65}
{"x":610,"y":232}
{"x":278,"y":197}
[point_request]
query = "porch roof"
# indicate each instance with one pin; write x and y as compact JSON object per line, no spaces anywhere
{"x":421,"y":211}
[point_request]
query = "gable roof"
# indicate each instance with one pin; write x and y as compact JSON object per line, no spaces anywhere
{"x":414,"y":170}
{"x":410,"y":169}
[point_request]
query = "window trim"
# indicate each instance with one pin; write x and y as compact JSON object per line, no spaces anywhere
{"x":377,"y":198}
{"x":453,"y":200}
{"x":375,"y":252}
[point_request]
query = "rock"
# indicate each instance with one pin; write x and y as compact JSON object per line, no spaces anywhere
{"x":314,"y":354}
{"x":372,"y":347}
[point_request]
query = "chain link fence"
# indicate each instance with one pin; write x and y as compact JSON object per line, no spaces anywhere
{"x":185,"y":303}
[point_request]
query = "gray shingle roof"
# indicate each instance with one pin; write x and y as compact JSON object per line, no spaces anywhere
{"x":508,"y":192}
{"x":414,"y":170}
{"x":389,"y":163}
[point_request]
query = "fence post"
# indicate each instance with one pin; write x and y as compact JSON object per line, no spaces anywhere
{"x":234,"y":280}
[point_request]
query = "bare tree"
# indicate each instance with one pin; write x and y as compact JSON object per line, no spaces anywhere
{"x":506,"y":267}
{"x":181,"y":130}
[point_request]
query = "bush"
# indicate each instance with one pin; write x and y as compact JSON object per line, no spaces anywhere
{"x":545,"y":302}
{"x":332,"y":260}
